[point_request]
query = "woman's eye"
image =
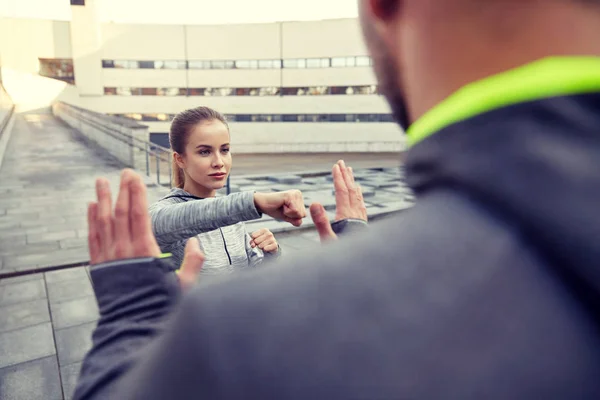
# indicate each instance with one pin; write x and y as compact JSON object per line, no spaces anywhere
{"x":225,"y":151}
{"x":204,"y":152}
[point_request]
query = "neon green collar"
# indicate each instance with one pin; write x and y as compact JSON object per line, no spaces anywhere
{"x":549,"y":77}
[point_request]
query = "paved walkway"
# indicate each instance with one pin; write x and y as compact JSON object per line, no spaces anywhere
{"x":46,"y":182}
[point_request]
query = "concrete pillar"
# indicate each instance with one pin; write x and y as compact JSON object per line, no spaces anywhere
{"x":86,"y":45}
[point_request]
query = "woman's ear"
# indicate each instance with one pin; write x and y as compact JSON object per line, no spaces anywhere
{"x":179,"y":160}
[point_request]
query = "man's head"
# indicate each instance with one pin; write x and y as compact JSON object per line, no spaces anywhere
{"x":424,"y":50}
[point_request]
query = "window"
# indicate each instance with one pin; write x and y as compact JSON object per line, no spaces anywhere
{"x":108,"y":64}
{"x":223,"y":92}
{"x":313,"y":63}
{"x":318,"y":90}
{"x":146,"y":64}
{"x":289,"y":91}
{"x":268,"y":91}
{"x":350,"y":61}
{"x":337,"y":117}
{"x":246,"y":64}
{"x":162,"y":117}
{"x":148,"y":91}
{"x":363,"y":61}
{"x":57,"y":68}
{"x":222,"y":64}
{"x":199,"y":64}
{"x":123,"y":91}
{"x":386,"y":118}
{"x":289,"y":118}
{"x":126,"y":64}
{"x":78,"y":2}
{"x":170,"y":91}
{"x":338,"y":62}
{"x":269,"y":64}
{"x":337,"y":90}
{"x":243,"y":118}
{"x":294,"y":63}
{"x":196,"y":92}
{"x":173,"y":65}
{"x":110,"y":91}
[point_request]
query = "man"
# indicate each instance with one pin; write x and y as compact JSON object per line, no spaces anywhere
{"x":488,"y":288}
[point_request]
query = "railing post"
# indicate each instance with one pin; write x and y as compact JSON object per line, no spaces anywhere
{"x":147,"y":160}
{"x":157,"y":168}
{"x":228,"y":185}
{"x":170,"y":173}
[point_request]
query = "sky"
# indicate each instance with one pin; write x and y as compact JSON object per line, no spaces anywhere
{"x":188,"y":11}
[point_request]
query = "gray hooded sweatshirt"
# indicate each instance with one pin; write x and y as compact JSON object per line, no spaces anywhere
{"x":218,"y":226}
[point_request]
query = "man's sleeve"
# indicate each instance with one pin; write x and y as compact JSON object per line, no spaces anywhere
{"x":135,"y":298}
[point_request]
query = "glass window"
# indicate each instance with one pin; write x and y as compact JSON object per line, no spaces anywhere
{"x":137,"y":117}
{"x":277,"y":64}
{"x":295,"y":63}
{"x":230,"y":117}
{"x":386,"y":118}
{"x":325,"y":62}
{"x":167,"y":91}
{"x":289,"y":118}
{"x":243,"y":118}
{"x":350,"y":61}
{"x":338,"y":62}
{"x":183,"y":92}
{"x":146,"y":64}
{"x":162,"y":117}
{"x":337,"y":90}
{"x":150,"y":117}
{"x":269,"y":91}
{"x":124,"y":91}
{"x":148,"y":91}
{"x":246,"y":64}
{"x":351,"y":118}
{"x":265,"y":64}
{"x":217,"y":64}
{"x":199,"y":64}
{"x":363,"y":61}
{"x":173,"y":65}
{"x":242,"y":92}
{"x":337,"y":117}
{"x":289,"y":91}
{"x":59,"y":68}
{"x":110,"y":91}
{"x":208,"y":91}
{"x":224,"y":92}
{"x":108,"y":64}
{"x":196,"y":92}
{"x":350,"y":91}
{"x":318,"y":90}
{"x":313,"y":63}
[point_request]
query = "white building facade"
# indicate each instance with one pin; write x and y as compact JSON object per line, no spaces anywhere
{"x":284,"y":87}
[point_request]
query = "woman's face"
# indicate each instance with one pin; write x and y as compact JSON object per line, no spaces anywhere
{"x":207,"y":160}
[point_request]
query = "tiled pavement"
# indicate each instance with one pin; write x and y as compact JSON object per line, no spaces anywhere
{"x":46,"y":180}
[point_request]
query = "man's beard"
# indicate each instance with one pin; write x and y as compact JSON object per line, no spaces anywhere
{"x":389,"y":86}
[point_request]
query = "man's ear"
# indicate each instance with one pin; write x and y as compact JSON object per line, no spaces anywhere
{"x":384,"y":10}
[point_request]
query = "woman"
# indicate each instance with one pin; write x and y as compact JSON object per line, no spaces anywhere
{"x":200,"y":141}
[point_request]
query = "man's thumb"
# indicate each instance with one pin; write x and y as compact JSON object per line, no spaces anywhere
{"x":193,"y":259}
{"x":319,"y":217}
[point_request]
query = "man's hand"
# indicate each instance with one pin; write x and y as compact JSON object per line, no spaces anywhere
{"x":265,"y":240}
{"x":349,"y":202}
{"x":126,"y":232}
{"x":287,"y":206}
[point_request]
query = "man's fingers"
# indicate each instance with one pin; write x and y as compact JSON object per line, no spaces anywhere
{"x":294,"y":205}
{"x":93,"y":243}
{"x":341,"y":189}
{"x":104,"y":220}
{"x":319,"y":217}
{"x":362,"y":208}
{"x":193,"y":259}
{"x":139,"y":219}
{"x":348,"y":177}
{"x":122,"y":232}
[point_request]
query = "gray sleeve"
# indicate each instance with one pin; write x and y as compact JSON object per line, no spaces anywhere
{"x":174,"y":222}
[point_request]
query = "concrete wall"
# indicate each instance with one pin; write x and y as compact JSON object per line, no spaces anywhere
{"x":232,"y":42}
